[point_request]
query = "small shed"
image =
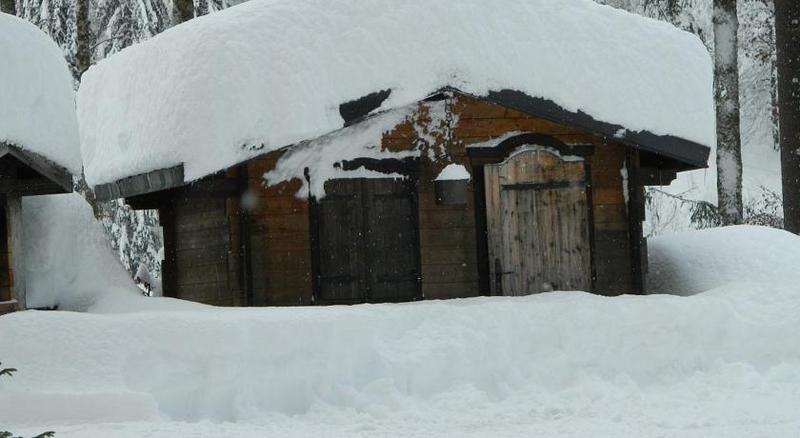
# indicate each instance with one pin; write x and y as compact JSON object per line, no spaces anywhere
{"x":457,"y":181}
{"x":39,"y":149}
{"x":548,"y":204}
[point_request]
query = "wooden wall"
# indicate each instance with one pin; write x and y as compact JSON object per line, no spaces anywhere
{"x":205,"y":252}
{"x":276,"y":232}
{"x":280,"y":239}
{"x":6,"y":275}
{"x":479,"y":121}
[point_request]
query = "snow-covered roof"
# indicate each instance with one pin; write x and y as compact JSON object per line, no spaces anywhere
{"x":223,"y":88}
{"x":37,"y":101}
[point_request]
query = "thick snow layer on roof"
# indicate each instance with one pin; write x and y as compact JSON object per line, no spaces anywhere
{"x":37,"y":102}
{"x":274,"y":72}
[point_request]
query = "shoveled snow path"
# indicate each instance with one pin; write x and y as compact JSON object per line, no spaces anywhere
{"x":722,"y":363}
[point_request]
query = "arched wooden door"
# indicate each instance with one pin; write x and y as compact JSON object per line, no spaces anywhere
{"x":538,"y":223}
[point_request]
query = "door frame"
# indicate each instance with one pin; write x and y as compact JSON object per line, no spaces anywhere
{"x":409,"y":167}
{"x":481,"y":156}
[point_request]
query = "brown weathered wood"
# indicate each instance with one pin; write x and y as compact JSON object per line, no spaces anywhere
{"x":16,"y":237}
{"x":368,"y":244}
{"x":8,"y":307}
{"x":44,"y":167}
{"x":539,"y":238}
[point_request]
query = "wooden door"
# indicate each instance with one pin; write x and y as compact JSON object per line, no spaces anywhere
{"x":538,"y":223}
{"x":368,"y":243}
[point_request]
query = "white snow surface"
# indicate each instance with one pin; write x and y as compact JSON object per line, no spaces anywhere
{"x":558,"y":364}
{"x":565,"y":364}
{"x":697,"y":261}
{"x":275,"y":72}
{"x":323,"y":156}
{"x":37,"y":102}
{"x":69,"y":262}
{"x":453,"y":172}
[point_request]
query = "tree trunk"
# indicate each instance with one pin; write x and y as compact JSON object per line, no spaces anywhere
{"x":83,"y":56}
{"x":183,"y":10}
{"x":787,"y":37}
{"x":726,"y":85}
{"x":9,"y":6}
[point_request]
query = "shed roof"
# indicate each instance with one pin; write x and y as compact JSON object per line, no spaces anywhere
{"x":223,"y":88}
{"x":37,"y":100}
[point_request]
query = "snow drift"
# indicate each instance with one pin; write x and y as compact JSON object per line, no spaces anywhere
{"x":698,"y":261}
{"x":554,"y":363}
{"x":37,"y":102}
{"x":69,"y":262}
{"x":269,"y":73}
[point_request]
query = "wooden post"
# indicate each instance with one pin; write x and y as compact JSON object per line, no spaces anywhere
{"x":787,"y":35}
{"x":14,"y":211}
{"x":635,"y":218}
{"x":169,"y":284}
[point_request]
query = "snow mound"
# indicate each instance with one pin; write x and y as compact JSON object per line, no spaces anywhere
{"x":69,"y":262}
{"x":553,"y":363}
{"x":697,"y":261}
{"x":37,"y":102}
{"x":453,"y":172}
{"x":222,"y":88}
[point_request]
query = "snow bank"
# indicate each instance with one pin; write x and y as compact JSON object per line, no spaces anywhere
{"x":569,"y":364}
{"x":697,"y":261}
{"x":37,"y":102}
{"x":268,"y":73}
{"x":68,"y":259}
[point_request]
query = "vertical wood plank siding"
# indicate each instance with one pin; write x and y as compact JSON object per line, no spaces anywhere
{"x":6,"y":277}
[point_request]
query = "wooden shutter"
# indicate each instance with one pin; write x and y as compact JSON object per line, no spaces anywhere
{"x":391,"y":240}
{"x":368,"y":244}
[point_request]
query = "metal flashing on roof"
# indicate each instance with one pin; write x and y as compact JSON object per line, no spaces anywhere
{"x":157,"y":180}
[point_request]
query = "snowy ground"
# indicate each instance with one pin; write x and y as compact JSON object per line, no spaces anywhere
{"x":721,"y":363}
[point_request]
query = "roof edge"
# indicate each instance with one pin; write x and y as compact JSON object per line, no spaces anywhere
{"x":691,"y":154}
{"x":686,"y":154}
{"x":47,"y":168}
{"x":143,"y":183}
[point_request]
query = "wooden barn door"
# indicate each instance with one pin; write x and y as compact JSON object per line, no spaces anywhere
{"x":538,"y":224}
{"x":368,"y":243}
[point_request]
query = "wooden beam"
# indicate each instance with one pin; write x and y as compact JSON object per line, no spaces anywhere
{"x":650,"y":176}
{"x":40,"y":165}
{"x":37,"y":186}
{"x":16,"y":239}
{"x":635,"y":218}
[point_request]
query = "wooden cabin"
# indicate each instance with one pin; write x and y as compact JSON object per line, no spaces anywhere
{"x":22,"y":173}
{"x":554,"y":201}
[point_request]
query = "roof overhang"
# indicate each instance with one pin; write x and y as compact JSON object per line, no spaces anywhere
{"x":680,"y":154}
{"x":149,"y":182}
{"x":660,"y":151}
{"x":50,"y":177}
